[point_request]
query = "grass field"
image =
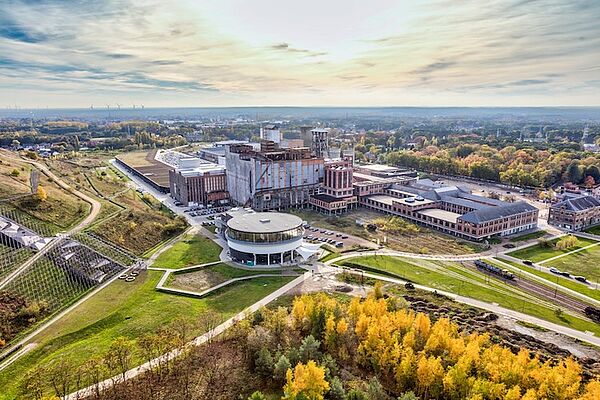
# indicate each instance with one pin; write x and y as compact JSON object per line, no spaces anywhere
{"x":424,"y":241}
{"x":191,"y":250}
{"x":207,"y":277}
{"x":594,"y":230}
{"x":129,"y":310}
{"x":562,"y":281}
{"x":537,"y":252}
{"x":528,"y":236}
{"x":454,"y":278}
{"x":585,"y":262}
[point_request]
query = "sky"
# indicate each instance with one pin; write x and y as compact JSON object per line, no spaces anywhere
{"x":186,"y":53}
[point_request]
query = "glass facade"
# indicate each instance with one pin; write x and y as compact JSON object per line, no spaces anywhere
{"x":265,"y":237}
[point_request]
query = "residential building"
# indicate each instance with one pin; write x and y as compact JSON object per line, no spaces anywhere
{"x":575,"y":213}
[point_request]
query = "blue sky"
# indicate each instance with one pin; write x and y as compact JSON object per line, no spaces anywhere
{"x":60,"y":53}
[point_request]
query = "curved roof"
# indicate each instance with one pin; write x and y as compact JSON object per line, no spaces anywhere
{"x":264,"y":222}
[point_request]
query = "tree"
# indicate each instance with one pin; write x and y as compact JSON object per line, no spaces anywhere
{"x":309,"y":349}
{"x":566,"y":242}
{"x":306,"y":381}
{"x":573,"y":173}
{"x":15,"y":172}
{"x":589,"y":182}
{"x":120,"y":354}
{"x":336,"y":389}
{"x":280,"y":369}
{"x":257,"y":396}
{"x":41,"y":194}
{"x":264,"y":363}
{"x":594,"y":172}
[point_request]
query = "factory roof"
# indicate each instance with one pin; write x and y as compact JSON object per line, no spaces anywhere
{"x":264,"y":222}
{"x":440,"y":214}
{"x":492,"y":213}
{"x":581,"y":203}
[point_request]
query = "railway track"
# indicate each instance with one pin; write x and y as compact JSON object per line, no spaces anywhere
{"x":537,"y":289}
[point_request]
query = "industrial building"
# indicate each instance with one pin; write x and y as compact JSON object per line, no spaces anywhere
{"x":195,"y":181}
{"x":575,"y":213}
{"x":320,"y":141}
{"x":265,"y":238}
{"x":272,"y":178}
{"x":271,"y":133}
{"x":336,"y":195}
{"x":453,"y":210}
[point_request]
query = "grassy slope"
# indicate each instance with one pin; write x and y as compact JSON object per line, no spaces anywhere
{"x":191,"y":250}
{"x":538,"y":253}
{"x":130,"y":310}
{"x":562,"y":281}
{"x":475,"y":285}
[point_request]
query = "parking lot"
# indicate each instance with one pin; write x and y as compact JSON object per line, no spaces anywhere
{"x":339,"y":240}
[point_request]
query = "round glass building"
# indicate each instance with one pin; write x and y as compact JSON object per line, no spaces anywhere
{"x":264,"y":238}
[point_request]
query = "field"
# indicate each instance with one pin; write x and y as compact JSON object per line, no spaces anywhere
{"x":454,"y":278}
{"x":128,"y":310}
{"x":207,"y":277}
{"x":191,"y":250}
{"x":562,"y":281}
{"x":528,"y":236}
{"x":538,"y":252}
{"x":594,"y":230}
{"x":585,"y":262}
{"x":425,"y":241}
{"x":59,"y":212}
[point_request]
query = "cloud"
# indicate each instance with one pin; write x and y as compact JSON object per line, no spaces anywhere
{"x":171,"y":52}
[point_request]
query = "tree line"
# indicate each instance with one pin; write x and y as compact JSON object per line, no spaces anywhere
{"x":325,"y":348}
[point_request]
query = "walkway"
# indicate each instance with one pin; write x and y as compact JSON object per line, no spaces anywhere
{"x":132,"y":373}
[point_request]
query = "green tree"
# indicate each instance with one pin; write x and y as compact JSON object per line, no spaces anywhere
{"x":257,"y":396}
{"x":573,"y":173}
{"x":280,"y":369}
{"x":264,"y":363}
{"x":309,"y":349}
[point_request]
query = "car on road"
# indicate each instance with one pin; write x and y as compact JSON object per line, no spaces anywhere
{"x":555,"y":271}
{"x":527,"y":262}
{"x":580,"y":278}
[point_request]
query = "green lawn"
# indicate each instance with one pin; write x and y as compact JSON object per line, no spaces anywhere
{"x":566,"y":282}
{"x":537,"y":252}
{"x":585,"y":262}
{"x":594,"y":230}
{"x":528,"y":236}
{"x":130,"y":310}
{"x":454,"y":278}
{"x":191,"y":250}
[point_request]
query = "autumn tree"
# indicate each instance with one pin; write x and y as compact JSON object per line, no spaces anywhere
{"x":41,"y":194}
{"x":306,"y":381}
{"x":566,"y":242}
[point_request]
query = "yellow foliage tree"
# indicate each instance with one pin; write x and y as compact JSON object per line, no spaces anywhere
{"x":307,"y":381}
{"x":41,"y":194}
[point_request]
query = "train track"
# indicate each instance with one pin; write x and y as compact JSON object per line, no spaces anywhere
{"x":540,"y":290}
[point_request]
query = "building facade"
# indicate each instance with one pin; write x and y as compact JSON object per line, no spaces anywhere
{"x":337,"y":193}
{"x":195,"y":181}
{"x":265,"y":238}
{"x":454,"y":210}
{"x":575,"y":213}
{"x":272,"y":178}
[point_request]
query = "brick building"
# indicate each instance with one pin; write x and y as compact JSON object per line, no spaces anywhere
{"x":575,"y":213}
